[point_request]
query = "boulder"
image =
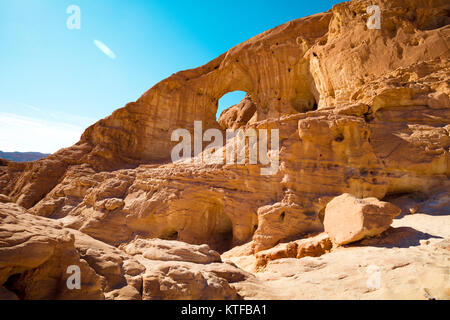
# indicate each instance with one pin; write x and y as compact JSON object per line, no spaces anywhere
{"x":349,"y":219}
{"x":283,"y":221}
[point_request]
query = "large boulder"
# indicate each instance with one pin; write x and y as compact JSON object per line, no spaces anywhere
{"x":283,"y":221}
{"x":349,"y":219}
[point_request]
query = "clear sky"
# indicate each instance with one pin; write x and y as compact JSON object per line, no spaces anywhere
{"x":56,"y":81}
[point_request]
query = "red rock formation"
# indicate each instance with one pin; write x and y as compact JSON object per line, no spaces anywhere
{"x":359,"y":111}
{"x":381,"y":127}
{"x":36,"y":252}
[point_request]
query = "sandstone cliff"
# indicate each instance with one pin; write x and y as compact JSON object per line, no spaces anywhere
{"x":360,"y":111}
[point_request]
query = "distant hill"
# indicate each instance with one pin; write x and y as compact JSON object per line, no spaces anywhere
{"x":22,"y":156}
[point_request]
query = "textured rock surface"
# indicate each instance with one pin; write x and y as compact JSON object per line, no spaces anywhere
{"x":283,"y":221}
{"x":164,"y":250}
{"x":179,"y":271}
{"x":409,"y":261}
{"x":35,"y":254}
{"x":348,"y":219}
{"x":310,"y":247}
{"x":4,"y":199}
{"x":239,"y":115}
{"x":359,"y":111}
{"x":381,"y":127}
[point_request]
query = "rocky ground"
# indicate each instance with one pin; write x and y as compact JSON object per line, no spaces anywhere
{"x":360,"y":190}
{"x":412,"y":260}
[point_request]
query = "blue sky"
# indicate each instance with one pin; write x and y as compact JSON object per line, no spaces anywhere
{"x":54,"y":82}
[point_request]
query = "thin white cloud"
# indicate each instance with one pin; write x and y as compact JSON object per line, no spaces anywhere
{"x":104,"y":48}
{"x":20,"y":133}
{"x":34,"y":108}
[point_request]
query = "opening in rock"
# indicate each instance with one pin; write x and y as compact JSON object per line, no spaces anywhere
{"x":239,"y":114}
{"x":306,"y":95}
{"x":220,"y":228}
{"x":170,"y":235}
{"x":305,"y":102}
{"x":228,"y":100}
{"x":339,"y":138}
{"x":13,"y":285}
{"x":322,"y":215}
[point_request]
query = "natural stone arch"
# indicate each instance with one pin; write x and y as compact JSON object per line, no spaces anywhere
{"x":270,"y":67}
{"x":230,"y":100}
{"x":239,"y":115}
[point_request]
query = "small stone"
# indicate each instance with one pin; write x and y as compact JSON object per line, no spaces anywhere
{"x":414,"y":209}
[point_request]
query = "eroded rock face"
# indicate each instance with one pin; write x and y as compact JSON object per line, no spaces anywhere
{"x":359,"y":111}
{"x":4,"y":199}
{"x":34,"y":257}
{"x":349,"y":219}
{"x":179,"y":271}
{"x":310,"y":247}
{"x":239,"y":115}
{"x":36,"y":252}
{"x":283,"y":221}
{"x":165,"y":250}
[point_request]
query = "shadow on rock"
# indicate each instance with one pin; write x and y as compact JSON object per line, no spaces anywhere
{"x":403,"y":237}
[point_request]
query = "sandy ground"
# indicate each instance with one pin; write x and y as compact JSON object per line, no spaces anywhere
{"x":409,"y":261}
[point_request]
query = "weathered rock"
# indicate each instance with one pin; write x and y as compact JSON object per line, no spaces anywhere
{"x":184,"y":281}
{"x":179,"y":271}
{"x":359,"y":111}
{"x":113,"y":204}
{"x":349,"y":219}
{"x":165,"y":250}
{"x":34,"y":256}
{"x":4,"y":162}
{"x":412,"y":255}
{"x":282,"y":222}
{"x":35,"y":253}
{"x":381,"y":127}
{"x":239,"y":115}
{"x":310,"y":247}
{"x":4,"y":199}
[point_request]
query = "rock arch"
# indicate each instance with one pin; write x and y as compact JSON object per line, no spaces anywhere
{"x":271,"y":67}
